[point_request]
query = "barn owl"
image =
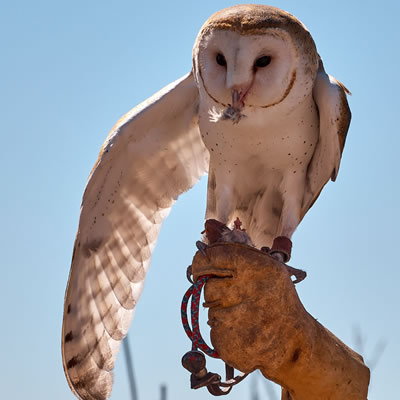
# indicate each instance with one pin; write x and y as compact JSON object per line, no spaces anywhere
{"x":257,"y":113}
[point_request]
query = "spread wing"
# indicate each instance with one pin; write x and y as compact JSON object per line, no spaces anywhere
{"x":152,"y":155}
{"x":334,"y":119}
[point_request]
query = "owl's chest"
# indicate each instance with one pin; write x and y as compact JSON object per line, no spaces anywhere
{"x":264,"y":139}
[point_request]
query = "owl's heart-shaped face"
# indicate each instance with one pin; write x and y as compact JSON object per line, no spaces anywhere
{"x":258,"y":69}
{"x":253,"y":58}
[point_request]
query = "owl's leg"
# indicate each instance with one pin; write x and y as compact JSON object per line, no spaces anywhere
{"x":224,"y":204}
{"x":289,"y":220}
{"x":290,"y":217}
{"x":292,"y":190}
{"x":219,"y":196}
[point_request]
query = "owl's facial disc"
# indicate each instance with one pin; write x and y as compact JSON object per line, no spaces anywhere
{"x":242,"y":71}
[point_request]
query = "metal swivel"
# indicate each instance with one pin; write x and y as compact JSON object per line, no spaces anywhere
{"x":195,"y":362}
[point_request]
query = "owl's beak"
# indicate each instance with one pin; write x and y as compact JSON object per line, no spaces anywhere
{"x":233,"y":111}
{"x":238,"y":97}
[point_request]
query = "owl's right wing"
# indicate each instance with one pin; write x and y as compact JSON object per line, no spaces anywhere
{"x":152,"y":155}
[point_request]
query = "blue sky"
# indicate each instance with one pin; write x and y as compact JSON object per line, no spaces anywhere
{"x":69,"y":70}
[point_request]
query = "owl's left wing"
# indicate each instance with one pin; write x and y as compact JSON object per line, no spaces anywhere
{"x":152,"y":155}
{"x":334,"y":121}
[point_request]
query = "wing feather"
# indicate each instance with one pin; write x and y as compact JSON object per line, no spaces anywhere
{"x":152,"y":155}
{"x":334,"y":118}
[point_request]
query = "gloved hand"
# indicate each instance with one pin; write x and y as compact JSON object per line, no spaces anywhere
{"x":258,"y":322}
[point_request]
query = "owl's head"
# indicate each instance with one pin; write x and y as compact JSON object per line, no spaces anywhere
{"x":254,"y":56}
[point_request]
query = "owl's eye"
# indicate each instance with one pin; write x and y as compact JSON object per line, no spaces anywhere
{"x":262,"y":62}
{"x":220,"y":60}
